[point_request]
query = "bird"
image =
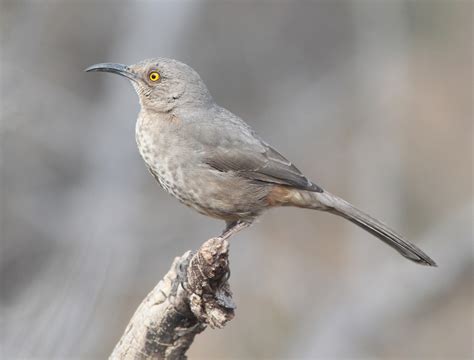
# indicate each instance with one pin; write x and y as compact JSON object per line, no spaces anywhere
{"x":214,"y":162}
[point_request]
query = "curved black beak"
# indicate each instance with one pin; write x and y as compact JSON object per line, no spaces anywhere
{"x":119,"y":69}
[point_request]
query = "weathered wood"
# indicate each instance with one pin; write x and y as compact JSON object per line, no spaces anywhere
{"x":193,"y":294}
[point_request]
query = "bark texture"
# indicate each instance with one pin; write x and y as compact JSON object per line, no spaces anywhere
{"x":193,"y":294}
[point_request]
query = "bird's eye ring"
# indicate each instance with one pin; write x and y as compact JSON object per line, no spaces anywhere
{"x":154,"y":76}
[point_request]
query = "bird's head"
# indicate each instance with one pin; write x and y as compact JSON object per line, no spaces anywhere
{"x":162,"y":84}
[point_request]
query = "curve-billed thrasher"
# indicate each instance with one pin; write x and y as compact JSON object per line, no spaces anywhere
{"x":212,"y":161}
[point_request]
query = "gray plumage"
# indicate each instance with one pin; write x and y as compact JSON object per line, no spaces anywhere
{"x":212,"y":161}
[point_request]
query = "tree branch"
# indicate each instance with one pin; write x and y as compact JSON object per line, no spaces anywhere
{"x":193,"y":294}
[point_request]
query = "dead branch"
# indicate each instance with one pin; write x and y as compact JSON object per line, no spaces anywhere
{"x":193,"y":294}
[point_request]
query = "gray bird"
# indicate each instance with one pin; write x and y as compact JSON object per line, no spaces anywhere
{"x":212,"y":161}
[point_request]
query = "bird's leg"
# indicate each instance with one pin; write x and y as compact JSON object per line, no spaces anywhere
{"x":233,"y":227}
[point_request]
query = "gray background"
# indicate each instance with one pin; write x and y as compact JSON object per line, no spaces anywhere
{"x":371,"y":99}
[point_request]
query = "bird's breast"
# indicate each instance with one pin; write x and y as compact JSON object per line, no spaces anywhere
{"x":162,"y":150}
{"x":157,"y":139}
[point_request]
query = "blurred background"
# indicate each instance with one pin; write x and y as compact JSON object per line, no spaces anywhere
{"x":370,"y":99}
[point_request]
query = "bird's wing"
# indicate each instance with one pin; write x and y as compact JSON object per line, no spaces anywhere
{"x":234,"y":147}
{"x":268,"y":166}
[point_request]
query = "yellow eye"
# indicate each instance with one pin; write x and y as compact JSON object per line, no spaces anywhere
{"x":154,"y":76}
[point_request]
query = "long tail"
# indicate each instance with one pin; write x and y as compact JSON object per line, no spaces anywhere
{"x":333,"y":204}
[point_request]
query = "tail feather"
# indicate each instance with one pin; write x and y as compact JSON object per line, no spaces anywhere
{"x":338,"y":206}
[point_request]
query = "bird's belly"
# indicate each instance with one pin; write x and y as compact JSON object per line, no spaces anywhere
{"x":176,"y":186}
{"x":211,"y":193}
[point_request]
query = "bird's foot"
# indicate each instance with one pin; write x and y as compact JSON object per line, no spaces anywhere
{"x":233,"y":228}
